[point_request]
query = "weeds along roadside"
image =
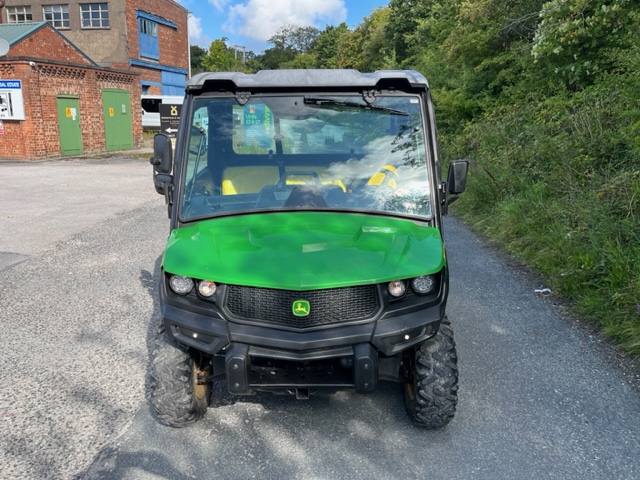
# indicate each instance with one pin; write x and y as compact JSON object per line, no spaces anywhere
{"x":557,"y":185}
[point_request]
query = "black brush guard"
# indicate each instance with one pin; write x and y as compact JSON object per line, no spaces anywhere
{"x":249,"y":369}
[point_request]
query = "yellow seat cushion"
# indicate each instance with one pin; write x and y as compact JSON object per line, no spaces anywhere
{"x":323,"y":173}
{"x":238,"y":180}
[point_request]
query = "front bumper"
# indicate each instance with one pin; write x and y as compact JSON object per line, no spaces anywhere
{"x":211,"y":334}
{"x":257,"y":357}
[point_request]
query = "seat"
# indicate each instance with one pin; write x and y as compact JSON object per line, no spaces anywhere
{"x":239,"y":180}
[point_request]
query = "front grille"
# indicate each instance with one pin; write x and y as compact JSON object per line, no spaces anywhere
{"x":327,"y":307}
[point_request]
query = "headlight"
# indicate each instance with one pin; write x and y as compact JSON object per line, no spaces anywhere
{"x":397,"y":288}
{"x":424,"y":284}
{"x":207,"y":288}
{"x":180,"y":285}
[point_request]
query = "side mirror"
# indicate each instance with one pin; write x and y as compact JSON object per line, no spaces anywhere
{"x":162,"y":162}
{"x":162,"y":159}
{"x":457,"y":177}
{"x":162,"y":182}
{"x":455,"y":184}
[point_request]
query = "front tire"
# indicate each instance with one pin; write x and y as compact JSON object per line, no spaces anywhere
{"x":431,"y":388}
{"x":180,"y":392}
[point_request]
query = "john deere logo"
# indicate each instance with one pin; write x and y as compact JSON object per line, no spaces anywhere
{"x":301,"y":308}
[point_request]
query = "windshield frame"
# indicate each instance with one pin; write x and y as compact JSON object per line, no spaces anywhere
{"x":342,"y":98}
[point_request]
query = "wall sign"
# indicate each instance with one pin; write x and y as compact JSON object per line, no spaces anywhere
{"x":169,"y":118}
{"x":11,"y":102}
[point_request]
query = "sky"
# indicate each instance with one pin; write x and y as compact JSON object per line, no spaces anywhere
{"x":250,"y":23}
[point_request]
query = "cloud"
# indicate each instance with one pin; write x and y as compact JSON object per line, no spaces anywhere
{"x":261,"y":19}
{"x":195,"y":26}
{"x":219,"y":5}
{"x":196,"y":35}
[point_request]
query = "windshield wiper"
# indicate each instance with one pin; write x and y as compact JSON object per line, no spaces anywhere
{"x":332,"y":103}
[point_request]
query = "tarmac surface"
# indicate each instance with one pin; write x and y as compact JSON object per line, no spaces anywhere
{"x":43,"y":202}
{"x":79,"y":237}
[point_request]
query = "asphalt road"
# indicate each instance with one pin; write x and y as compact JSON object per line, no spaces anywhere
{"x":80,"y":242}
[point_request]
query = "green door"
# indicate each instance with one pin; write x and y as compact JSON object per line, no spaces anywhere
{"x":118,"y":128}
{"x":69,"y":125}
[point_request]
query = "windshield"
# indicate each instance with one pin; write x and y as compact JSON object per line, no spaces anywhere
{"x":311,"y":152}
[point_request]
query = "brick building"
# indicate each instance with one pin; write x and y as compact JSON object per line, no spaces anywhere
{"x":55,"y":100}
{"x":147,"y":36}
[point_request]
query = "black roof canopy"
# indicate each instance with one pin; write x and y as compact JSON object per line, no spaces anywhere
{"x":307,"y":78}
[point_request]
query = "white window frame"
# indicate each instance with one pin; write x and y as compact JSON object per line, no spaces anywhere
{"x":19,"y":14}
{"x":101,"y":20}
{"x":57,"y":15}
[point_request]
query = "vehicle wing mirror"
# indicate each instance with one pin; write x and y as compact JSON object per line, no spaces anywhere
{"x":455,"y":184}
{"x":162,"y":182}
{"x":162,"y":159}
{"x":162,"y":162}
{"x":457,"y":177}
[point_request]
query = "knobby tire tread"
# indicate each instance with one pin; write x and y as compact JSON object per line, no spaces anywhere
{"x":171,"y":383}
{"x":435,"y":379}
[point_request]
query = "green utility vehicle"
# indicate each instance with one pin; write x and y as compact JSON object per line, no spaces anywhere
{"x":305,"y":251}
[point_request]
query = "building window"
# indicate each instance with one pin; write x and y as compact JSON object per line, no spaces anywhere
{"x":148,"y":38}
{"x":19,"y":14}
{"x":56,"y":15}
{"x":148,"y":27}
{"x":94,"y":15}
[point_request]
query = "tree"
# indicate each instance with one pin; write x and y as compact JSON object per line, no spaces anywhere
{"x":288,"y":42}
{"x":349,"y":54}
{"x":303,"y":60}
{"x":377,"y":51}
{"x":197,"y":59}
{"x":297,"y":38}
{"x":327,"y":45}
{"x":404,"y":19}
{"x":276,"y":57}
{"x":222,"y":58}
{"x":367,"y":48}
{"x":574,"y":35}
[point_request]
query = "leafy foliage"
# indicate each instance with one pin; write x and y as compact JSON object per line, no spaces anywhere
{"x":222,"y":58}
{"x":197,"y":55}
{"x":328,"y":44}
{"x":573,"y":33}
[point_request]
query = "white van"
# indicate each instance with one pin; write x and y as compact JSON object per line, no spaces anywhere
{"x":151,"y":109}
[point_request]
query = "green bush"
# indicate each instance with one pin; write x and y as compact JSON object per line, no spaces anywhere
{"x":557,"y":183}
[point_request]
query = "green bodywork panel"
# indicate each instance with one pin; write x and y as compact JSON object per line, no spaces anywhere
{"x":304,"y":250}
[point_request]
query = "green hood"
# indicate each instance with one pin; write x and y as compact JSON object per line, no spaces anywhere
{"x":304,"y":251}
